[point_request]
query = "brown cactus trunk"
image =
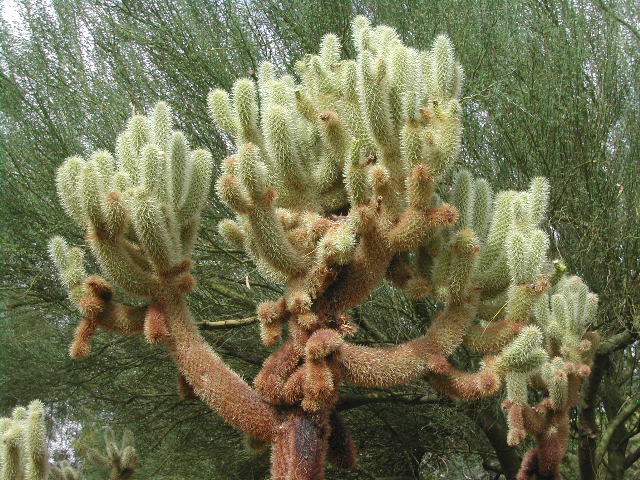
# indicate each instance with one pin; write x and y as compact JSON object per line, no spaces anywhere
{"x":543,"y":462}
{"x":300,"y":448}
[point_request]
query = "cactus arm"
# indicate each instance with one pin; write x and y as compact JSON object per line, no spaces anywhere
{"x":256,"y":204}
{"x":385,"y":367}
{"x":358,"y":279}
{"x":123,"y":319}
{"x":493,"y":337}
{"x":466,"y":385}
{"x":413,"y":224}
{"x":215,"y":383}
{"x":135,"y":253}
{"x":119,"y":266}
{"x":277,"y":368}
{"x":534,"y":419}
{"x":336,"y":141}
{"x":544,"y":461}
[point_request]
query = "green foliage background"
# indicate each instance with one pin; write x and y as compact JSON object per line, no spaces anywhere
{"x":552,"y":89}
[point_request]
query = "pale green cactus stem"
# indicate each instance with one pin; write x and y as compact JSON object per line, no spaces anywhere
{"x":120,"y":457}
{"x":554,"y":374}
{"x":356,"y":182}
{"x":515,"y":249}
{"x":220,"y":109}
{"x":521,"y":358}
{"x":67,"y":184}
{"x":336,"y":142}
{"x":526,"y":257}
{"x":266,"y":75}
{"x":306,"y":107}
{"x":573,"y":309}
{"x":70,"y":265}
{"x":462,"y":269}
{"x":337,"y":246}
{"x":181,"y":177}
{"x":35,"y":442}
{"x":349,"y":107}
{"x":140,"y":209}
{"x":440,"y":272}
{"x":246,"y":111}
{"x":65,"y":471}
{"x":195,"y":195}
{"x":373,"y":93}
{"x":444,"y":68}
{"x":402,"y":75}
{"x":152,"y":231}
{"x":361,"y":32}
{"x":324,"y":86}
{"x":161,"y":126}
{"x":493,"y":262}
{"x":266,"y":232}
{"x":482,"y":208}
{"x":542,"y":312}
{"x":330,"y":47}
{"x":525,"y":353}
{"x":412,"y":145}
{"x":464,"y":194}
{"x":538,"y":199}
{"x":23,"y":444}
{"x":292,"y":181}
{"x":12,"y":468}
{"x":129,"y":146}
{"x":232,"y":233}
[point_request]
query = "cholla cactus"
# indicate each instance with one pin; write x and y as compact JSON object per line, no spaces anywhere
{"x":23,"y":444}
{"x":567,"y":354}
{"x":336,"y":182}
{"x":65,"y":471}
{"x":24,"y":453}
{"x":120,"y":458}
{"x":140,"y":211}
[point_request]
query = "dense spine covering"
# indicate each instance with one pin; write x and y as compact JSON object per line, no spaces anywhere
{"x":336,"y":183}
{"x":23,"y":444}
{"x":24,"y":453}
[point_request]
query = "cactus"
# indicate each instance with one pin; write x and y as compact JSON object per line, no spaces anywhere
{"x":23,"y":446}
{"x":120,"y":458}
{"x":338,"y":180}
{"x":65,"y":471}
{"x":562,"y":318}
{"x":24,"y":451}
